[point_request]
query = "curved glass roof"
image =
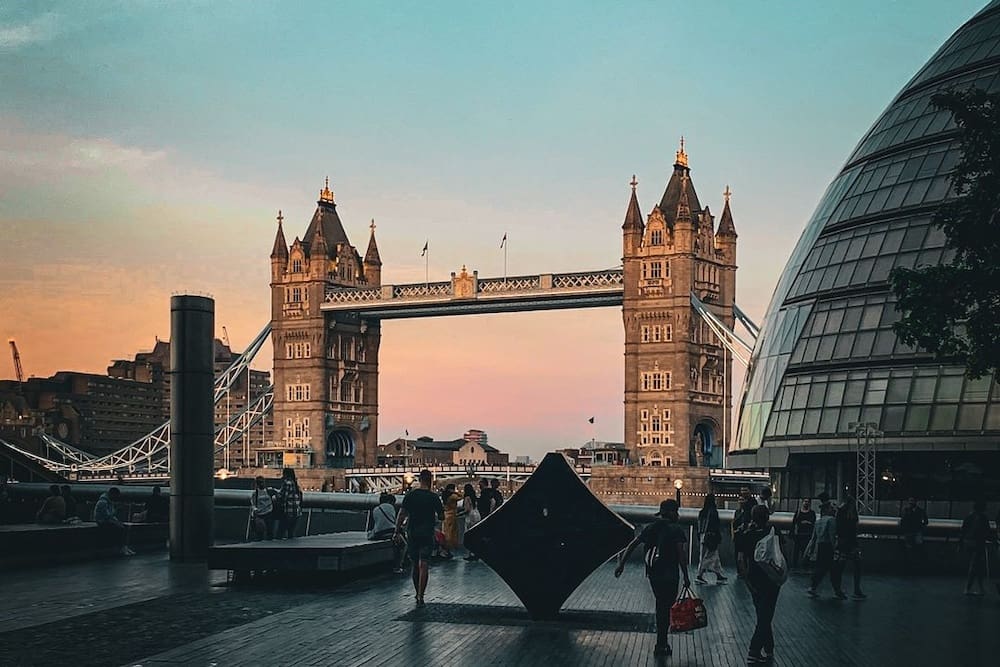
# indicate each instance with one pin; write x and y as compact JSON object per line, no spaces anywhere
{"x":827,"y":356}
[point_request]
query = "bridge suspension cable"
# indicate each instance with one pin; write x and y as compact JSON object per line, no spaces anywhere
{"x":740,"y":348}
{"x":745,"y":320}
{"x":151,"y":453}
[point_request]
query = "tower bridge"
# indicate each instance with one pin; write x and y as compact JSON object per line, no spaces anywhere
{"x":676,"y":289}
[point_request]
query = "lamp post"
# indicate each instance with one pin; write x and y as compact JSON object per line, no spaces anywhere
{"x":678,"y":485}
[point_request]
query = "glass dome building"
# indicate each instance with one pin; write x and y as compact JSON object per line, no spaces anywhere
{"x":827,"y":356}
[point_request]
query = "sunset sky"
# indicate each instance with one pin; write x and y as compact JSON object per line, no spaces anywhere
{"x":145,"y":149}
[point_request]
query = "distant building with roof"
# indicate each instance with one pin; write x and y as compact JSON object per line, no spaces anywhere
{"x":426,"y":451}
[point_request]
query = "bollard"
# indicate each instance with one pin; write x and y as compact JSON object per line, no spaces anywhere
{"x":192,"y":426}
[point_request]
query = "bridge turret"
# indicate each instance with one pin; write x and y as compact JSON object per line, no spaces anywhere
{"x":373,"y":263}
{"x":633,"y":227}
{"x":279,"y":254}
{"x":725,"y":238}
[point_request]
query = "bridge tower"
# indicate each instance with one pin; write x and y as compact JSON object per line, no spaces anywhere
{"x":325,"y":364}
{"x":677,"y":373}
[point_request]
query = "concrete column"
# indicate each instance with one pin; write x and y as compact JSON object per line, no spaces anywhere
{"x":192,"y":425}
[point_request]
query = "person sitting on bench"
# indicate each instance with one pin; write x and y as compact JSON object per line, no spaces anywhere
{"x":53,"y":510}
{"x":112,"y":530}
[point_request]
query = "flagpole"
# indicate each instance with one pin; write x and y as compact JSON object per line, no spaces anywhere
{"x":505,"y":261}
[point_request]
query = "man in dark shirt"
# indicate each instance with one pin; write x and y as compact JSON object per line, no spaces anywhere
{"x":497,"y":495}
{"x":912,"y":525}
{"x":420,"y":509}
{"x":763,"y":590}
{"x":741,"y":520}
{"x":484,"y":503}
{"x":158,"y":507}
{"x":666,"y":560}
{"x":802,"y":529}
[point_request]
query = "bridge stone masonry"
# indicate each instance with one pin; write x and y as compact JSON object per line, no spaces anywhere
{"x":328,"y":301}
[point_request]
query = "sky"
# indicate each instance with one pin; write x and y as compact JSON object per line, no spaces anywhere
{"x":145,"y":148}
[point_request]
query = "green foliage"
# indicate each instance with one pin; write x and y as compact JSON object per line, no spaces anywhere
{"x":953,"y":309}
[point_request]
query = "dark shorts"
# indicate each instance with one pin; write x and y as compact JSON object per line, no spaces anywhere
{"x":420,"y":547}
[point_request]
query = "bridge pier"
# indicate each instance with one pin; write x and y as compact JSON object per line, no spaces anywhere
{"x":192,"y":426}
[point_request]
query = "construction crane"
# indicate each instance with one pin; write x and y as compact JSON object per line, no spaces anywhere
{"x":17,"y":361}
{"x":225,"y":336}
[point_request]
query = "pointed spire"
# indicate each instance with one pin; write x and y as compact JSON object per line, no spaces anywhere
{"x":372,"y":256}
{"x":682,"y":157}
{"x":318,"y":245}
{"x":683,"y":205}
{"x":633,"y":214}
{"x":726,"y":226}
{"x":326,"y":195}
{"x":280,"y":247}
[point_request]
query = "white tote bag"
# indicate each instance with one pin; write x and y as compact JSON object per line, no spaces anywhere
{"x":767,"y":554}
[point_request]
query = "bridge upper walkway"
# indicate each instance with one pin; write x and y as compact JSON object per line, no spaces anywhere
{"x":146,"y":611}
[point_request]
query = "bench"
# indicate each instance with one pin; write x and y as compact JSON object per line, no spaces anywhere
{"x":42,"y":544}
{"x":331,"y":553}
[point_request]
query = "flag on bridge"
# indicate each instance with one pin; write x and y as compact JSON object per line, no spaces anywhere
{"x":591,"y":420}
{"x":503,"y":241}
{"x":424,"y":251}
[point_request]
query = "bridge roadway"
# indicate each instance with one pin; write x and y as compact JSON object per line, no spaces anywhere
{"x":146,"y":611}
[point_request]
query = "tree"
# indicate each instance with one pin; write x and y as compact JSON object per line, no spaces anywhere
{"x":953,"y":309}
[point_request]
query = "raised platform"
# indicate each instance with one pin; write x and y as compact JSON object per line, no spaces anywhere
{"x":32,"y":544}
{"x":334,"y":552}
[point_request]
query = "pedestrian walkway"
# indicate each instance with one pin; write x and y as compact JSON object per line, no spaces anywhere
{"x":145,"y":611}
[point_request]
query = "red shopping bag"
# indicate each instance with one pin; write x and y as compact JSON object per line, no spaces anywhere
{"x":688,"y":613}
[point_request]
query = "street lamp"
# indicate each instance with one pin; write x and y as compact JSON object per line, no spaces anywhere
{"x":678,"y":485}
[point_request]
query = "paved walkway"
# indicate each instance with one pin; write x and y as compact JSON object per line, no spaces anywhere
{"x":144,"y":611}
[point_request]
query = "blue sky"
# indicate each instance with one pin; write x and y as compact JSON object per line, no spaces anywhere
{"x":145,"y":148}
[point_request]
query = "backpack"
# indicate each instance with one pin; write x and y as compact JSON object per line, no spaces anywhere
{"x":768,"y":557}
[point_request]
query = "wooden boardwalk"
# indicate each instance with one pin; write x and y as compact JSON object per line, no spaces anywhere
{"x":145,"y":611}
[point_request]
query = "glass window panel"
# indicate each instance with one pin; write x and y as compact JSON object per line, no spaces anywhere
{"x":883,"y":343}
{"x":899,"y":390}
{"x":881,"y":271}
{"x":816,"y":392}
{"x":839,"y":251}
{"x":932,"y":162}
{"x":949,"y":388}
{"x":914,"y":238}
{"x":917,"y":417}
{"x":976,"y":389}
{"x":828,"y":422}
{"x":917,"y":192}
{"x":923,"y":389}
{"x":854,"y":392}
{"x":905,"y":260}
{"x":833,"y":321}
{"x":824,"y":255}
{"x":872,"y":244}
{"x":892,"y":241}
{"x":835,"y":394}
{"x":847,"y":417}
{"x":825,"y":351}
{"x":863,"y":272}
{"x":844,"y":272}
{"x":878,"y":202}
{"x":844,"y":344}
{"x":800,"y":397}
{"x":811,"y":424}
{"x":889,"y":314}
{"x":939,"y":188}
{"x":828,"y":277}
{"x":929,"y":257}
{"x":795,"y":422}
{"x":892,"y":418}
{"x":863,"y":344}
{"x":875,"y":395}
{"x":785,"y":402}
{"x":854,"y":249}
{"x":819,"y":321}
{"x":812,"y":346}
{"x":871,"y":414}
{"x":852,"y":317}
{"x":871,"y":316}
{"x":970,"y":417}
{"x":943,"y":418}
{"x":993,"y":417}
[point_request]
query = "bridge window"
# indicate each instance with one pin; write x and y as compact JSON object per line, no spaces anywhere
{"x":654,"y":269}
{"x":644,"y":415}
{"x":293,"y":295}
{"x":668,"y":332}
{"x":296,"y":265}
{"x":656,"y":423}
{"x":657,"y":333}
{"x":656,"y":237}
{"x":645,"y":333}
{"x":297,"y":392}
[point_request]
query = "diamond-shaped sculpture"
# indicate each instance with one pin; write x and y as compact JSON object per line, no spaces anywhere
{"x":548,"y":537}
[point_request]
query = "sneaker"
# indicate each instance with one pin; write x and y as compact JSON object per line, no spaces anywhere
{"x":755,"y":659}
{"x":719,"y":579}
{"x":858,"y":595}
{"x":812,"y":593}
{"x":420,"y":601}
{"x":840,"y":595}
{"x":398,"y":570}
{"x":700,"y":580}
{"x":662,"y":651}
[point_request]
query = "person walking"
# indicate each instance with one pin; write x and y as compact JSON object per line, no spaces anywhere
{"x":763,"y":589}
{"x":289,"y":500}
{"x":261,"y":508}
{"x":975,"y":534}
{"x":419,"y":511}
{"x":666,"y":561}
{"x":847,"y":550}
{"x":468,"y":514}
{"x":450,"y":500}
{"x":802,"y":529}
{"x":911,"y":525}
{"x":820,"y":550}
{"x":710,"y":537}
{"x":741,"y":520}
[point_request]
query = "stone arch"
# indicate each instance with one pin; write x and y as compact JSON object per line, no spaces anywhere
{"x":703,"y":442}
{"x":341,"y":447}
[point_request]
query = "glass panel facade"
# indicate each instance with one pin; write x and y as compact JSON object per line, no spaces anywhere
{"x":827,"y":355}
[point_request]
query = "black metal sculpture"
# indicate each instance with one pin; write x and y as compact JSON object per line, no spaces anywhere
{"x":548,"y":537}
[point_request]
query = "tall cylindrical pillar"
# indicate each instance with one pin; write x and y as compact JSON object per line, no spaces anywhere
{"x":192,"y":426}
